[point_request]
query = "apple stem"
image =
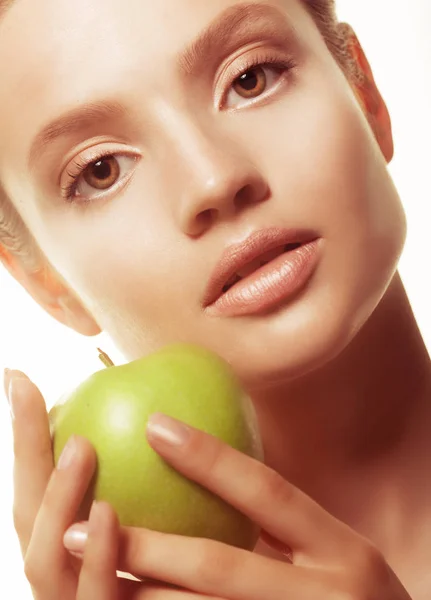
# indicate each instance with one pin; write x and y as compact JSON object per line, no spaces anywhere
{"x":105,"y":359}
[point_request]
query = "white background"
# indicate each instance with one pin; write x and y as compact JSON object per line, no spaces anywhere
{"x":395,"y":36}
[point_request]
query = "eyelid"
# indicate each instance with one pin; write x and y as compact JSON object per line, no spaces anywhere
{"x":239,"y":64}
{"x":77,"y":165}
{"x":72,"y":194}
{"x":90,"y":153}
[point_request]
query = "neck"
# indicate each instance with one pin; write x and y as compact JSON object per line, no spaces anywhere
{"x":358,"y":416}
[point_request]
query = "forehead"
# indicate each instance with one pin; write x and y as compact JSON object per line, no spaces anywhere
{"x":83,"y":43}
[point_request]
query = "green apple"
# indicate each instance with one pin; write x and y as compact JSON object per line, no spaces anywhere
{"x":111,"y":409}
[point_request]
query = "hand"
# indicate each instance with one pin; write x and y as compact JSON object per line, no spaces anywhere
{"x":46,"y":501}
{"x":329,"y":560}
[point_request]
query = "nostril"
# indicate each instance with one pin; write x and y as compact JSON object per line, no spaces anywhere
{"x":244,"y":196}
{"x":205,"y":218}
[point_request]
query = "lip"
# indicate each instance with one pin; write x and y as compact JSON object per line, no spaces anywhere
{"x":237,"y":256}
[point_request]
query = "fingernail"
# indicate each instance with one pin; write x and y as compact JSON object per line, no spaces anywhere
{"x":17,"y":386}
{"x":95,"y":518}
{"x":6,"y":383}
{"x":6,"y":379}
{"x":162,"y":428}
{"x":68,"y":454}
{"x":76,"y":537}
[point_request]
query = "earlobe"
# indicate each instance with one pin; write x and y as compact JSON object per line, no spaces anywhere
{"x":370,"y":98}
{"x":75,"y":315}
{"x":52,"y":294}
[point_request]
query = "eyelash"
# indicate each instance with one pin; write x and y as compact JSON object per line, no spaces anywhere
{"x":68,"y":191}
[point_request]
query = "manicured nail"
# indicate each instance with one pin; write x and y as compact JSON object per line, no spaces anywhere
{"x":95,"y":520}
{"x":68,"y":454}
{"x":17,"y":387}
{"x":162,"y":428}
{"x":6,"y":379}
{"x":75,"y":538}
{"x":6,"y":382}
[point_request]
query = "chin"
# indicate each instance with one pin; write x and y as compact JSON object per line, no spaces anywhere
{"x":303,"y":337}
{"x":279,"y":361}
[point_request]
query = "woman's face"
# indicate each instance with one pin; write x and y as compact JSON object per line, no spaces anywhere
{"x":197,"y":158}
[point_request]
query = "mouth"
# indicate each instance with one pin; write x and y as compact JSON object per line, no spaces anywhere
{"x":240,"y":261}
{"x":256,"y":264}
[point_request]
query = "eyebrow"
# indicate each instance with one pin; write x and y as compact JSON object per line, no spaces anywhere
{"x":232,"y":26}
{"x":73,"y":121}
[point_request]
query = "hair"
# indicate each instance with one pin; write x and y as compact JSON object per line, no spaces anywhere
{"x":16,"y":240}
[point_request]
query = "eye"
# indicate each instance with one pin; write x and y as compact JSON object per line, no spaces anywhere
{"x":252,"y":83}
{"x":102,"y":174}
{"x":87,"y":177}
{"x":255,"y":81}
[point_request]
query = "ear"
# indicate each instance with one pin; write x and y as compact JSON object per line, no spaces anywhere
{"x":52,"y":293}
{"x":369,"y":96}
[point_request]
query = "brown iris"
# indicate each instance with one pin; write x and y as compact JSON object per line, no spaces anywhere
{"x":103,"y":173}
{"x":251,"y":84}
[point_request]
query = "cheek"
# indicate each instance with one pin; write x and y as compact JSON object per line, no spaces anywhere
{"x":123,"y":277}
{"x":329,"y":160}
{"x":353,"y":200}
{"x":334,"y":177}
{"x":118,"y":267}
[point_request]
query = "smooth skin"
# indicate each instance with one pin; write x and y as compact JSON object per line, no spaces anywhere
{"x":327,"y":560}
{"x":340,"y":376}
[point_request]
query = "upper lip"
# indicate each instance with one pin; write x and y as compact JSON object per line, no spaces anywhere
{"x":236,"y":256}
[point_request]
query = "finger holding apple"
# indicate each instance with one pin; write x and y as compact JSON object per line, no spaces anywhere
{"x":46,"y":500}
{"x":33,"y":460}
{"x":327,"y":558}
{"x":112,"y":408}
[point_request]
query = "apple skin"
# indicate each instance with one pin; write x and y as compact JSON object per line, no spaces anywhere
{"x":111,"y":409}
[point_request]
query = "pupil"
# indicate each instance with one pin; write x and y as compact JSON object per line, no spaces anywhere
{"x":102,"y":169}
{"x":249,"y":80}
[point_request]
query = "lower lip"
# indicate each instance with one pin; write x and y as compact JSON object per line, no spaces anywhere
{"x":268,"y":286}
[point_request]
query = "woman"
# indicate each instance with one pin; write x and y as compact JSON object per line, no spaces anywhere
{"x":166,"y":154}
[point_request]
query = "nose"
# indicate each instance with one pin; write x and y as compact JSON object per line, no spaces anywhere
{"x":221,"y":182}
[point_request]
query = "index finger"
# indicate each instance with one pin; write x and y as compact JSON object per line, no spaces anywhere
{"x":34,"y":461}
{"x":261,"y":493}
